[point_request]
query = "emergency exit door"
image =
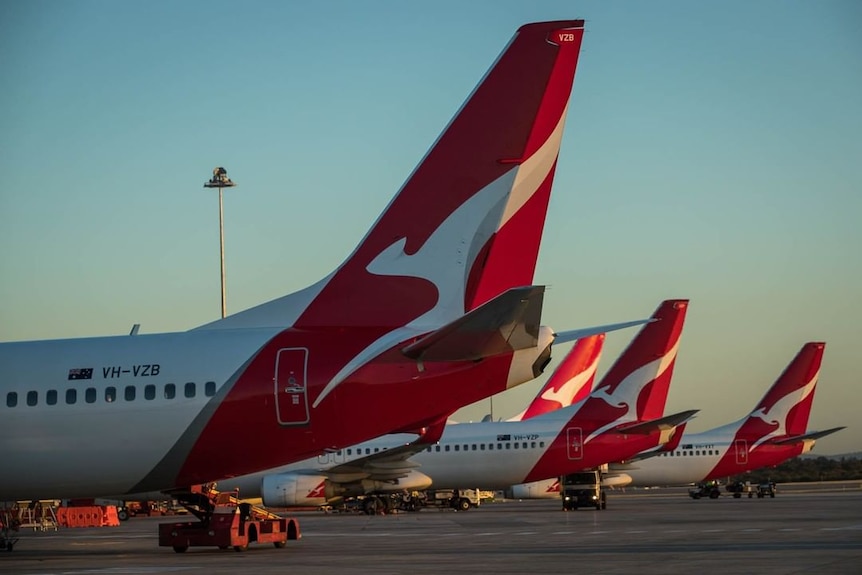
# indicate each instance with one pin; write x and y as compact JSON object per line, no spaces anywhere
{"x":291,"y":390}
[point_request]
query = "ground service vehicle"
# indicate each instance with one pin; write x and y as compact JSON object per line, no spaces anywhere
{"x":708,"y":489}
{"x":582,"y":489}
{"x":737,"y":488}
{"x":766,"y":489}
{"x":225,"y":522}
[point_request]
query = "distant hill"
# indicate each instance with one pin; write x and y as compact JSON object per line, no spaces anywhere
{"x":847,"y":466}
{"x":838,"y":457}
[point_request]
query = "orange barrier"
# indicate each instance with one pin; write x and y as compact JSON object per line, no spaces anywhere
{"x":88,"y":516}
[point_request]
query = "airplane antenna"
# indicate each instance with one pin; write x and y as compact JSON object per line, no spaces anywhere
{"x":220,"y":180}
{"x":135,"y":329}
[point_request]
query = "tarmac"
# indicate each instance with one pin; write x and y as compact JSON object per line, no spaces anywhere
{"x":813,"y":528}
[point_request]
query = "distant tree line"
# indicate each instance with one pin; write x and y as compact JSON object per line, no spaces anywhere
{"x":802,"y":469}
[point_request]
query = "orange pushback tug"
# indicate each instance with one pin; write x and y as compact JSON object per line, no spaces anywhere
{"x":225,"y":522}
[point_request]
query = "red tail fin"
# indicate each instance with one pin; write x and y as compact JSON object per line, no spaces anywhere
{"x":571,"y":381}
{"x":646,"y":366}
{"x":788,"y":402}
{"x":466,"y":225}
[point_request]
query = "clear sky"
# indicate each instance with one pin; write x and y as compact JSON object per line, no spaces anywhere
{"x":712,"y":151}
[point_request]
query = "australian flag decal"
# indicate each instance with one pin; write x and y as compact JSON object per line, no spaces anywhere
{"x":81,"y":373}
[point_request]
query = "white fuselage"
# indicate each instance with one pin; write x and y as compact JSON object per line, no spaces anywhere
{"x":90,"y":425}
{"x":487,"y":455}
{"x":694,"y":457}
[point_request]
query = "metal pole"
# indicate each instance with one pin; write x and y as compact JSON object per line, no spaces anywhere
{"x":221,"y":250}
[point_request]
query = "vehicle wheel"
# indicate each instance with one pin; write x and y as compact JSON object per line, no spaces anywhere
{"x":714,"y":495}
{"x":750,"y":495}
{"x":737,"y":495}
{"x":463,"y":504}
{"x":181,"y":548}
{"x":760,"y":495}
{"x":123,"y":514}
{"x":223,"y":546}
{"x":370,"y":506}
{"x":280,"y":544}
{"x":240,"y":548}
{"x":772,"y":495}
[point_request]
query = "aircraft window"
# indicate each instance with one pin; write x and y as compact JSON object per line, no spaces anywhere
{"x":376,"y":449}
{"x":11,"y":399}
{"x":189,"y":390}
{"x":51,"y":397}
{"x":149,"y":391}
{"x":129,"y":393}
{"x":90,"y":395}
{"x":490,"y":447}
{"x":541,"y":444}
{"x":532,"y":445}
{"x":697,"y":452}
{"x":482,"y":446}
{"x":457,"y":447}
{"x":209,"y":388}
{"x":367,"y":450}
{"x":499,"y":446}
{"x":516,"y":445}
{"x":437,"y":448}
{"x":466,"y":448}
{"x":474,"y":447}
{"x":71,"y":396}
{"x":170,"y":391}
{"x":446,"y":448}
{"x":32,"y":398}
{"x":524,"y":445}
{"x":110,"y":394}
{"x":349,"y":452}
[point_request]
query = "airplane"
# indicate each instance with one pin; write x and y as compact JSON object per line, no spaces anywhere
{"x":621,"y":417}
{"x":436,"y":301}
{"x":774,"y":431}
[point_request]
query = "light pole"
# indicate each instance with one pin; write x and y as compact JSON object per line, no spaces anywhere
{"x":220,"y":180}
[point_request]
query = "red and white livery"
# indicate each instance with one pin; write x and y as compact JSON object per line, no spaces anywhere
{"x":432,"y":298}
{"x":772,"y":433}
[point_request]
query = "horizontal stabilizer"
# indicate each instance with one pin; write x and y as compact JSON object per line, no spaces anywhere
{"x":573,"y":334}
{"x":807,"y":436}
{"x":506,"y":323}
{"x":662,"y":424}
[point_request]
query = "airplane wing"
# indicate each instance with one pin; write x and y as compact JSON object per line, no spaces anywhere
{"x":807,"y":436}
{"x":386,"y":465}
{"x":508,"y":322}
{"x":665,"y":423}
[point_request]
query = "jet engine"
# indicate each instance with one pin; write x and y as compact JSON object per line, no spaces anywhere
{"x":297,"y":489}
